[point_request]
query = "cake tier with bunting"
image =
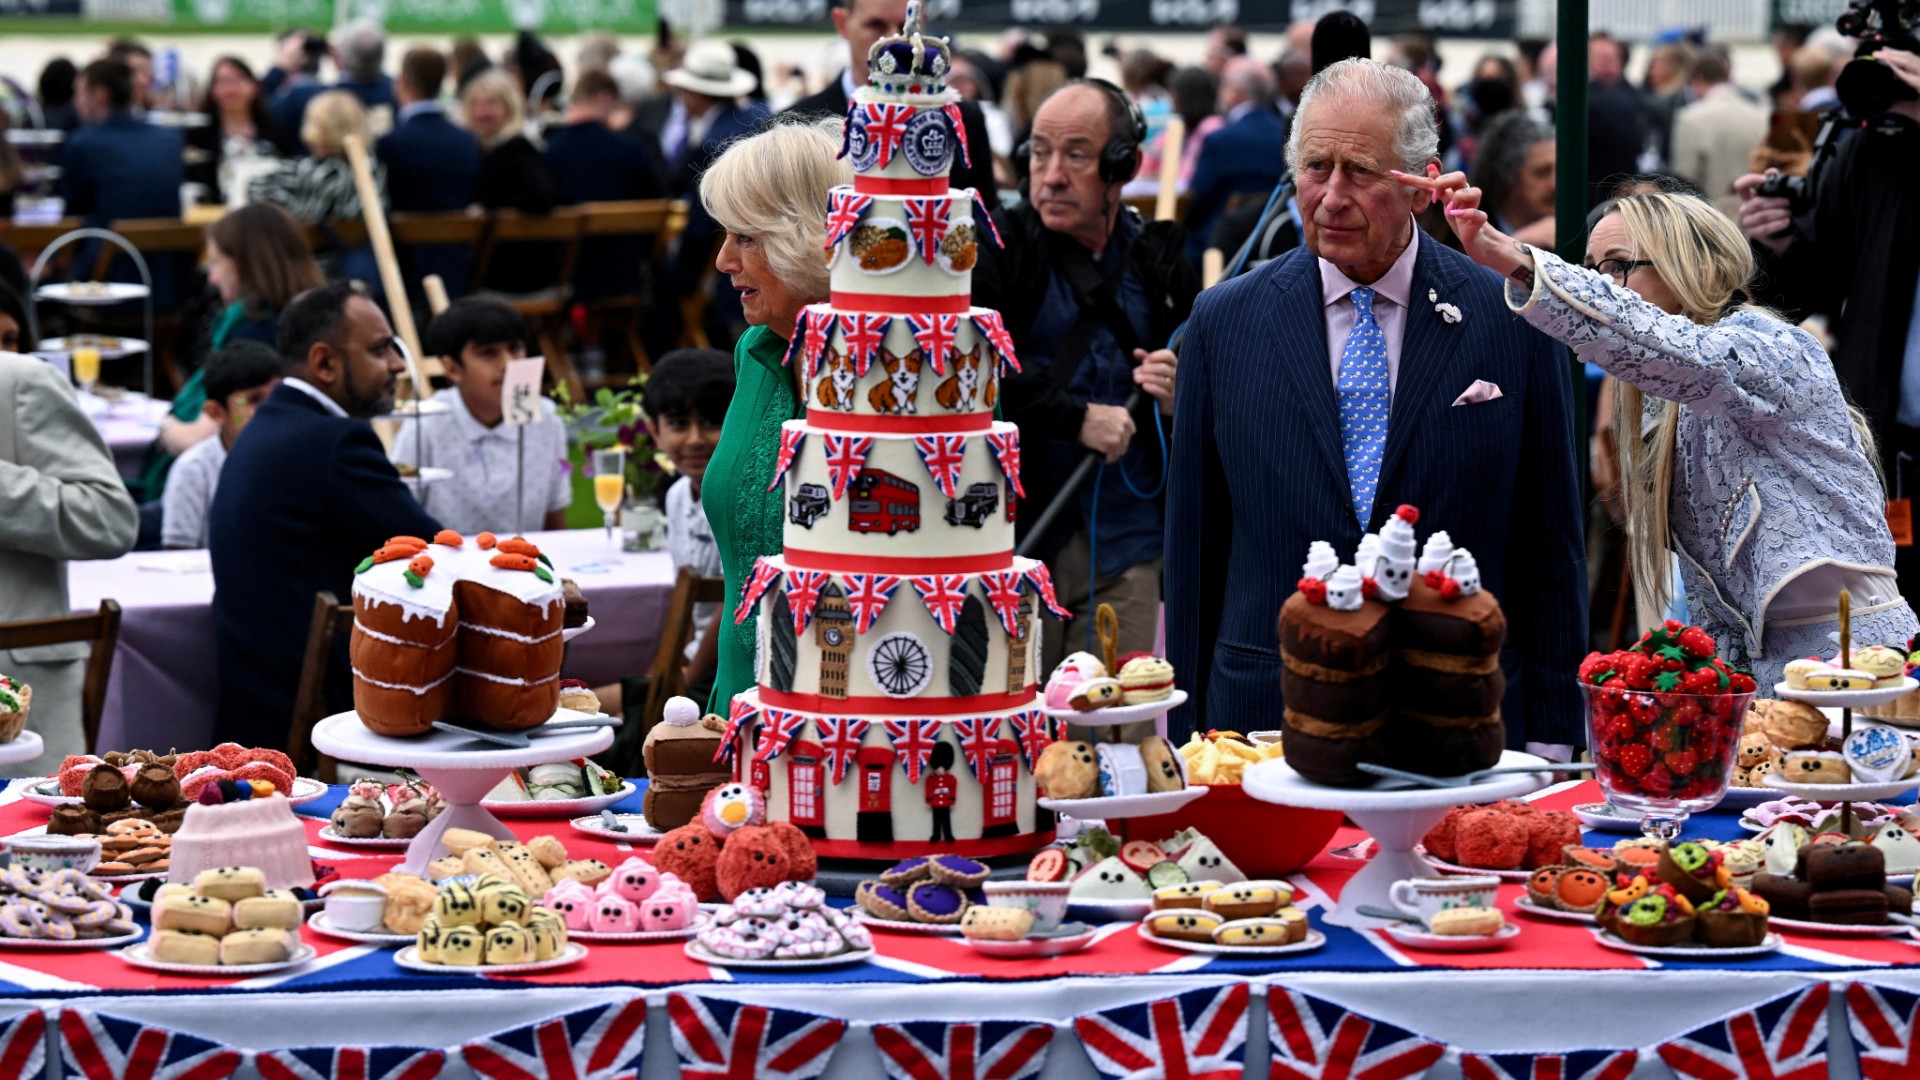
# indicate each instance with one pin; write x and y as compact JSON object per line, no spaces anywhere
{"x":861,"y":784}
{"x":900,"y":372}
{"x":905,"y":253}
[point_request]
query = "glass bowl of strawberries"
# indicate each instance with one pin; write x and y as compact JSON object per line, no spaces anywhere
{"x":1663,"y":724}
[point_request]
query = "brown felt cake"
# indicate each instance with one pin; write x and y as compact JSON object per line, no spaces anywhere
{"x":1334,"y":655}
{"x":455,"y":630}
{"x":679,"y":755}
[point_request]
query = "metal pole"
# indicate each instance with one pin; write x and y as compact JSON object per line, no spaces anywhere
{"x":1570,"y":190}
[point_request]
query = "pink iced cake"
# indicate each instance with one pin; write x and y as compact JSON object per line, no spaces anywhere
{"x":262,"y":833}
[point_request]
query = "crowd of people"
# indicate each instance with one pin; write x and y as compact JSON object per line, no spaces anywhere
{"x":1391,"y":227}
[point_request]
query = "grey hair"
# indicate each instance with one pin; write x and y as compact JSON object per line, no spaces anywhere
{"x":772,"y":186}
{"x":1380,"y":87}
{"x":363,"y":47}
{"x":1504,"y":145}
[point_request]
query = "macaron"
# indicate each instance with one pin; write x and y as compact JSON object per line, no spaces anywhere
{"x":1146,"y":679}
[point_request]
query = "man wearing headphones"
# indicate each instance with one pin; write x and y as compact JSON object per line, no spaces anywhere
{"x":1091,"y":294}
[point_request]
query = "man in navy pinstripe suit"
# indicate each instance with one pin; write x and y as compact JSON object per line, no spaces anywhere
{"x":1271,"y":444}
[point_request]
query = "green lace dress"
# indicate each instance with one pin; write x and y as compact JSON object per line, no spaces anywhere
{"x":745,"y":517}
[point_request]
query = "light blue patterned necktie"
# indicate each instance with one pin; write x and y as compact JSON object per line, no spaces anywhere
{"x":1365,"y":398}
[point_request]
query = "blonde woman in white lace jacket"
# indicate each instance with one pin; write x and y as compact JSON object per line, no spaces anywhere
{"x":1747,"y":464}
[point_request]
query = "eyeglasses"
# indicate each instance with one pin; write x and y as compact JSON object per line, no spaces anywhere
{"x":1619,"y":269}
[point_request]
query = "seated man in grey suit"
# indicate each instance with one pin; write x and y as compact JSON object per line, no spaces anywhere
{"x":1287,"y":374}
{"x":60,"y":499}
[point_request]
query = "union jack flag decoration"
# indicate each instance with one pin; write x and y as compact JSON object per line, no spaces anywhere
{"x":717,"y":1039}
{"x":887,"y":127}
{"x":846,"y":454}
{"x":600,"y":1043}
{"x":944,"y":595}
{"x":862,"y":335}
{"x":23,"y":1046}
{"x":1198,"y":1035}
{"x":1006,"y":453}
{"x":1312,"y":1039}
{"x":844,"y":208}
{"x":867,"y":595}
{"x":991,"y":324}
{"x":960,"y":133}
{"x":764,"y":573}
{"x":1883,"y":1021}
{"x":815,"y":325}
{"x":979,"y":738}
{"x":100,"y":1047}
{"x":739,"y":711}
{"x":803,"y":595}
{"x":1782,"y":1039}
{"x":932,"y":1050}
{"x":778,"y":730}
{"x":980,"y":204}
{"x":840,"y":740}
{"x":913,"y":744}
{"x":1041,"y":579}
{"x":1579,"y":1065}
{"x":1035,"y":730}
{"x":350,"y":1063}
{"x":927,"y":222}
{"x":944,"y":456}
{"x":1003,"y":593}
{"x":935,"y":335}
{"x":790,"y":440}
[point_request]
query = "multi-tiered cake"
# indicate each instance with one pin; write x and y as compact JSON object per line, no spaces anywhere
{"x":897,"y":712}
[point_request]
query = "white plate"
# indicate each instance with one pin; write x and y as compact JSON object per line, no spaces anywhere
{"x":22,"y":747}
{"x":571,"y":632}
{"x":1110,"y":910}
{"x":1452,"y":868}
{"x":389,"y":842}
{"x":1609,"y":940}
{"x":343,"y":736}
{"x":1277,"y":781}
{"x":699,"y":921}
{"x":557,"y":808}
{"x":1847,"y":699}
{"x":1606,"y":817}
{"x":305,"y":790}
{"x":98,"y":292}
{"x":428,"y":474}
{"x":139,"y":957}
{"x":123,"y":346}
{"x":1118,"y":714}
{"x":899,"y":926}
{"x":1822,"y":929}
{"x":1033,"y":948}
{"x":1841,"y":792}
{"x":1124,"y":806}
{"x":638,"y":831}
{"x":698,"y":954}
{"x":1314,"y":940}
{"x":51,"y":945}
{"x":1421,"y":939}
{"x":318,"y":922}
{"x":1526,"y":905}
{"x":409,"y":958}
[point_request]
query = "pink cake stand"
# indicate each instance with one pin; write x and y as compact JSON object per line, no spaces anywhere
{"x":1394,"y":814}
{"x":462,"y":769}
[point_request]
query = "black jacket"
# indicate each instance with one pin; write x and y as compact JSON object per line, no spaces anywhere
{"x":832,"y":101}
{"x":1014,"y":281}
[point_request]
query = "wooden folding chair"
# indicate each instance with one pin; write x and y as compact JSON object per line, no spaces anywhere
{"x":546,"y":309}
{"x":159,"y":240}
{"x":331,"y":618}
{"x":102,"y":628}
{"x":642,"y":218}
{"x":666,"y":678}
{"x":423,"y":242}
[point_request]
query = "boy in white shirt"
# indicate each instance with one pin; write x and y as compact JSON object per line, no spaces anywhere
{"x":497,"y":484}
{"x":239,"y":378}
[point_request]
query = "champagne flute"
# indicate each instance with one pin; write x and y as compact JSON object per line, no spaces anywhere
{"x":609,"y":483}
{"x":86,"y":366}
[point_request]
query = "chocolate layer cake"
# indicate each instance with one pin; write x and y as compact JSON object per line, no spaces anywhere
{"x":1334,"y":679}
{"x":679,"y":755}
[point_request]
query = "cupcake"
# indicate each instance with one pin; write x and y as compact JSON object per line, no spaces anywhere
{"x":958,"y":871}
{"x":1733,"y":918}
{"x":1692,"y":870}
{"x":16,"y":698}
{"x":882,"y":901}
{"x":1145,"y":679}
{"x":932,"y":902}
{"x":1655,"y":919}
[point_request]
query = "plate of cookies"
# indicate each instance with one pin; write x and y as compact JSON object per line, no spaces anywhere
{"x":208,"y":955}
{"x":571,"y":953}
{"x":1240,"y":937}
{"x":132,"y":850}
{"x":61,"y":909}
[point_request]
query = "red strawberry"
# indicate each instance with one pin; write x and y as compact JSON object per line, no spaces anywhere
{"x":1681,"y":762}
{"x":1594,"y":664}
{"x":1635,"y":760}
{"x":1742,"y":683}
{"x":1658,"y":781}
{"x":1696,"y":642}
{"x":1704,"y":681}
{"x":1665,"y":737}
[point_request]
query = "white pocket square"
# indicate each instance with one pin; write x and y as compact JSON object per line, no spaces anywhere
{"x":1480,"y":391}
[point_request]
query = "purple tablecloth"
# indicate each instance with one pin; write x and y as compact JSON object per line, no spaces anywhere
{"x":129,"y":426}
{"x":164,"y":688}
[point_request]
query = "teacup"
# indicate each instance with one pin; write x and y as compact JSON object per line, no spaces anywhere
{"x":1046,"y":899}
{"x":46,"y":854}
{"x":1422,"y":898}
{"x":356,"y":906}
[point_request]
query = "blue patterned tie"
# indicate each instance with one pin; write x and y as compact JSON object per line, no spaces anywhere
{"x":1365,"y":398}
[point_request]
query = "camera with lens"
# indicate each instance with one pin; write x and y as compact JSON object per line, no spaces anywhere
{"x":1867,"y":87}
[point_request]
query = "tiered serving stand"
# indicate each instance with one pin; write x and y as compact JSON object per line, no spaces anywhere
{"x":1105,"y":807}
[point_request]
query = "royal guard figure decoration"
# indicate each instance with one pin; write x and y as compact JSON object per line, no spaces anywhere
{"x":941,"y":789}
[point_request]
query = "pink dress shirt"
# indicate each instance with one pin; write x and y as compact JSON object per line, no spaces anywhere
{"x":1391,"y":295}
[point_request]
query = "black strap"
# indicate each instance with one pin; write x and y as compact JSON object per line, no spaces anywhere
{"x":1095,"y":298}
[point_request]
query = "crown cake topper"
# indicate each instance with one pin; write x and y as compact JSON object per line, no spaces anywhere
{"x":909,"y":55}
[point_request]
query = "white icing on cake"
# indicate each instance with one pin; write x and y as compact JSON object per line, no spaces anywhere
{"x":386,"y":583}
{"x":261,"y":833}
{"x":916,"y":277}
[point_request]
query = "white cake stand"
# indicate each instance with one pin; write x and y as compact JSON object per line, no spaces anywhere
{"x":462,"y":772}
{"x":1395,"y":816}
{"x":25,"y":747}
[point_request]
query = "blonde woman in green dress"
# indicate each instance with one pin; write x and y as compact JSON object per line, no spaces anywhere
{"x":769,"y":193}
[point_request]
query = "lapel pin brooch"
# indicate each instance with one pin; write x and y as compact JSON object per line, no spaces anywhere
{"x":1448,"y":313}
{"x":1432,"y":296}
